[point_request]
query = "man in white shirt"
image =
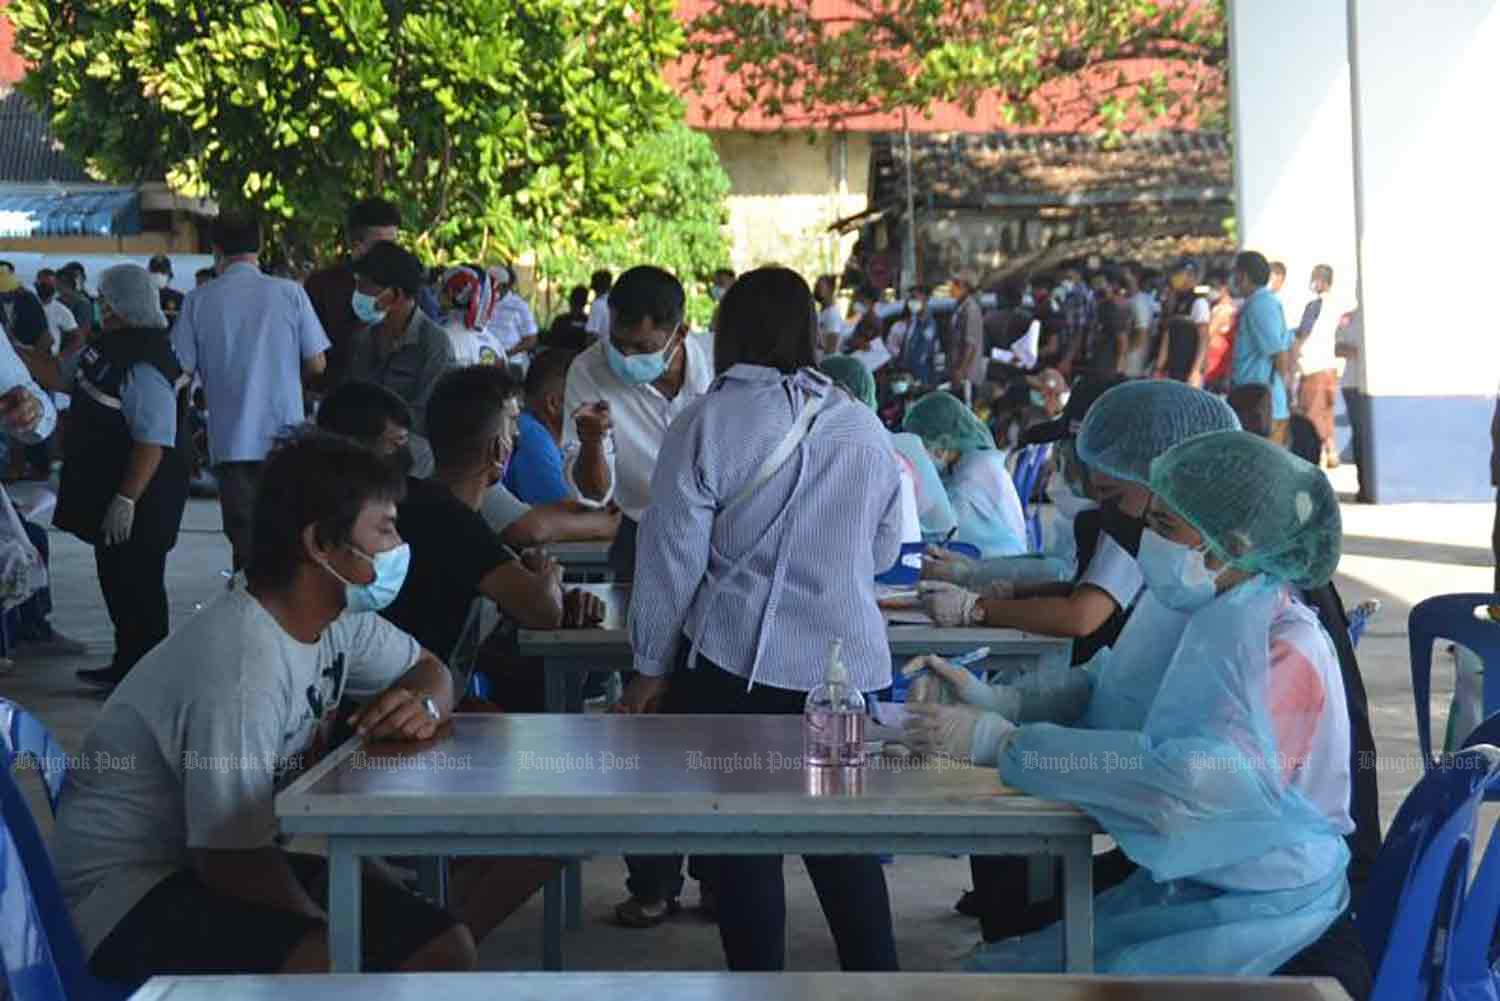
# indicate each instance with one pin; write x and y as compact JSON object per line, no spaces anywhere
{"x":253,"y":340}
{"x":622,"y":394}
{"x":831,"y":328}
{"x":60,"y":320}
{"x":1317,"y":360}
{"x":598,"y":323}
{"x":512,"y":321}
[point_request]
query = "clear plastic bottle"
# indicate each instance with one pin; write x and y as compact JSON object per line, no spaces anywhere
{"x":833,"y":720}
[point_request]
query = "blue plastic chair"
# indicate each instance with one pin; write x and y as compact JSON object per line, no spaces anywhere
{"x":1029,"y":466}
{"x":1471,"y":973}
{"x":39,"y":947}
{"x":24,"y":737}
{"x":1417,"y":888}
{"x":1451,"y":617}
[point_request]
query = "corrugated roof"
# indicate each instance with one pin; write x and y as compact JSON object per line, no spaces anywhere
{"x":28,"y":153}
{"x":997,"y":169}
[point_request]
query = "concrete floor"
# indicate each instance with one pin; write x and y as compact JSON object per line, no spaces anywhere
{"x":1399,"y":554}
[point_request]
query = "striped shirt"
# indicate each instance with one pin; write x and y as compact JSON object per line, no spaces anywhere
{"x":763,"y":587}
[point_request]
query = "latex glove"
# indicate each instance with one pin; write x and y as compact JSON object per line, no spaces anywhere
{"x":119,"y":519}
{"x":945,"y":564}
{"x":968,"y":689}
{"x":1004,"y":590}
{"x":950,"y":605}
{"x":964,"y":732}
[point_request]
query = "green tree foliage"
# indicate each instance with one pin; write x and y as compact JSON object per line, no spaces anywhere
{"x":818,"y":61}
{"x":497,"y":126}
{"x":675,"y":217}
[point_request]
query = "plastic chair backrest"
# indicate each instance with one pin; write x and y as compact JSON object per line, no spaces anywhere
{"x":1471,"y":970}
{"x":1029,"y":465}
{"x":1451,"y":617}
{"x":37,"y":926}
{"x":24,"y":737}
{"x":1410,"y":905}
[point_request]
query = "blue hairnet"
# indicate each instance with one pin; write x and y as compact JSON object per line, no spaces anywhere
{"x":942,"y":421}
{"x":1135,"y":422}
{"x":1258,"y":506}
{"x":853,"y":376}
{"x":130,"y":294}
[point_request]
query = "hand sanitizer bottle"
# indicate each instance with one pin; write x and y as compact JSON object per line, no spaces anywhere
{"x":833,"y":721}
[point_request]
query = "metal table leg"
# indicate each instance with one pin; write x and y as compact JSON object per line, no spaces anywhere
{"x":573,"y":893}
{"x":573,"y":682}
{"x":343,"y":907}
{"x":1078,"y":906}
{"x":555,"y":686}
{"x":552,"y":959}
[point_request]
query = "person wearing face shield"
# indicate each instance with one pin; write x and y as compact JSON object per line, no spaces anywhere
{"x":1232,"y":791}
{"x":125,"y":476}
{"x":973,"y":472}
{"x":1086,"y":581}
{"x":241,"y":697}
{"x":1122,"y":431}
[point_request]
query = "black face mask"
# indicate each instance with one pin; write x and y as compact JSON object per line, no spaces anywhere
{"x":1123,"y":528}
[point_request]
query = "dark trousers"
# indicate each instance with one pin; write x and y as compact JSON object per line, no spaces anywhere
{"x":622,"y":551}
{"x":1495,"y":541}
{"x":237,"y":482}
{"x":133,"y":579}
{"x":752,"y":893}
{"x":1357,"y":405}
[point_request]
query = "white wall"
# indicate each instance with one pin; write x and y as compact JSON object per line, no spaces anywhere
{"x":1428,"y":159}
{"x":184,"y":266}
{"x":1293,"y":152}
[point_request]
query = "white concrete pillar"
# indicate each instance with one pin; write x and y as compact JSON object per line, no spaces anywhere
{"x":1426,"y":156}
{"x":1289,"y":74}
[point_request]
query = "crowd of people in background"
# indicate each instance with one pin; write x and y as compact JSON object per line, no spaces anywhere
{"x":393,"y":445}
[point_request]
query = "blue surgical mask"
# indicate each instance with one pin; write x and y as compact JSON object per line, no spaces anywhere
{"x":365,"y":308}
{"x":1176,"y":575}
{"x":638,"y":370}
{"x":901,"y":387}
{"x":390,"y":573}
{"x":1037,"y":399}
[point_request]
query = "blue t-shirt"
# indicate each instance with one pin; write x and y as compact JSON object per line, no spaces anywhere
{"x":535,"y":474}
{"x":1262,"y":335}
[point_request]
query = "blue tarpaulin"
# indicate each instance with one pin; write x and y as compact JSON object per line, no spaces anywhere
{"x":97,"y":212}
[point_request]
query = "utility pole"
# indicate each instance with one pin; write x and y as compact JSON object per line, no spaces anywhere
{"x":909,"y":250}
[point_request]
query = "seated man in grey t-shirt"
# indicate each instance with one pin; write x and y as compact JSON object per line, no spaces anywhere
{"x":167,"y":846}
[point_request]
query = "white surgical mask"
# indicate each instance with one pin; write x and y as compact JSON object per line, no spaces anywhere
{"x":159,"y":280}
{"x":1177,"y":575}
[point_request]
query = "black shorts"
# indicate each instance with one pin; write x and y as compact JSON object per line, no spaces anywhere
{"x":183,"y":927}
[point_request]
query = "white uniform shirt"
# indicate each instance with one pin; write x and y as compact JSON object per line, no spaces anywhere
{"x":598,"y":325}
{"x":511,"y":321}
{"x":640,"y":416}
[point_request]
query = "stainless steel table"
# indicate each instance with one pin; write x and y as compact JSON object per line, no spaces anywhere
{"x":734,"y":987}
{"x":568,"y":655}
{"x":581,"y":560}
{"x":581,"y":785}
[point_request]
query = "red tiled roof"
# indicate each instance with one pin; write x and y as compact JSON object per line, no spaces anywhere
{"x":11,"y":66}
{"x":1068,"y":102}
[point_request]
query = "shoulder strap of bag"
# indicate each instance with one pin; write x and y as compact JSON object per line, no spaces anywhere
{"x":778,"y":457}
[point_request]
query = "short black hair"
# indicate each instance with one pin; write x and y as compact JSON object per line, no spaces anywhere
{"x":601,"y":281}
{"x":319,"y":479}
{"x":390,"y":265}
{"x":1252,"y":264}
{"x":465,"y":412}
{"x":1217,"y":278}
{"x":1323,"y":271}
{"x":723,"y":273}
{"x":8,"y":266}
{"x":767,"y":318}
{"x":208,"y":273}
{"x":648,"y":291}
{"x":1276,"y":268}
{"x":370,"y":213}
{"x":578,"y":298}
{"x":1251,"y":403}
{"x":234,"y":235}
{"x":548,"y":369}
{"x":360,"y":410}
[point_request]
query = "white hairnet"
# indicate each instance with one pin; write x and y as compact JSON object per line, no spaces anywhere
{"x":131,"y":295}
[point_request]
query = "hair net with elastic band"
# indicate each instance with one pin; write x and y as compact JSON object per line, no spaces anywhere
{"x":131,"y":295}
{"x":853,"y":376}
{"x":942,"y":421}
{"x":1257,"y":505}
{"x":1133,"y":423}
